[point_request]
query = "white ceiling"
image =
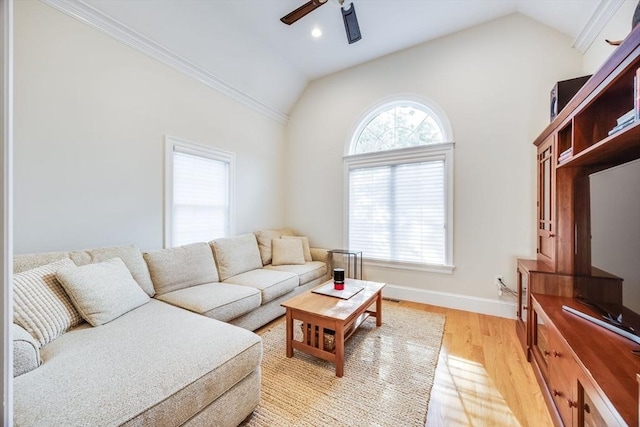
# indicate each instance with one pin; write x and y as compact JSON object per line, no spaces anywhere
{"x":245,"y":46}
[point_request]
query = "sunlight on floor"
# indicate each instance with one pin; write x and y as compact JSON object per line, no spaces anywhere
{"x":464,"y":395}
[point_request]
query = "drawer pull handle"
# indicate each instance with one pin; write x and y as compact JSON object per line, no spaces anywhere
{"x":586,"y":408}
{"x":546,"y":352}
{"x":572,"y":404}
{"x":556,"y":354}
{"x":556,"y":392}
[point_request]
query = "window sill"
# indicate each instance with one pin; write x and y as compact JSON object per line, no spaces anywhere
{"x":431,"y":268}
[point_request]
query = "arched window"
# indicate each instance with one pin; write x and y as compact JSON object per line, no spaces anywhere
{"x":398,"y":125}
{"x":400,"y":186}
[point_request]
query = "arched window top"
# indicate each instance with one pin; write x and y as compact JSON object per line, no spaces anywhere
{"x":398,"y":124}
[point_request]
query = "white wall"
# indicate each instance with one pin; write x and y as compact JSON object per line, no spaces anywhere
{"x":618,"y":27}
{"x":90,"y":119}
{"x":615,"y":227}
{"x":493,"y":81}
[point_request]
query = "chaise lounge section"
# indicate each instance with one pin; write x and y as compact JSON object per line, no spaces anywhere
{"x":171,"y":352}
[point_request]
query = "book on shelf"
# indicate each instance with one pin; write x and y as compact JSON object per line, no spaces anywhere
{"x":629,"y":115}
{"x":566,"y":154}
{"x":636,"y":94}
{"x":621,"y":126}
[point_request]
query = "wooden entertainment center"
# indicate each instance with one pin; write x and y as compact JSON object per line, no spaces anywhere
{"x":589,"y":376}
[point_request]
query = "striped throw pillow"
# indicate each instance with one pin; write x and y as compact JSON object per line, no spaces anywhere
{"x":40,"y":304}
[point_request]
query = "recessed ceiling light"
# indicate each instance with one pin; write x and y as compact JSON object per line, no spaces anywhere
{"x":316,"y":32}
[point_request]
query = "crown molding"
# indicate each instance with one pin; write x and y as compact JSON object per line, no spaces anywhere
{"x":111,"y":27}
{"x":596,"y":23}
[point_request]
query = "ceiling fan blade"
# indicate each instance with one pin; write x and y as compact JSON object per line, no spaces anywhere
{"x":302,"y":11}
{"x":351,"y":24}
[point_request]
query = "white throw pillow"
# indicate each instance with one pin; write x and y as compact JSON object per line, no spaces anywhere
{"x":287,"y":252}
{"x":102,"y":291}
{"x":40,"y":304}
{"x":305,"y":246}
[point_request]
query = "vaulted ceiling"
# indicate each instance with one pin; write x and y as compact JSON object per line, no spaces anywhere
{"x":241,"y":45}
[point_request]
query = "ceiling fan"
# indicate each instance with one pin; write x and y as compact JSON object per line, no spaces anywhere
{"x":348,"y":16}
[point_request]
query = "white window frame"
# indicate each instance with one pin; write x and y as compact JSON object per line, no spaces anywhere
{"x":442,"y":151}
{"x":173,"y":144}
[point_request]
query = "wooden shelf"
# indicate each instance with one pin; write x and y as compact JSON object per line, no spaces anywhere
{"x":620,"y":61}
{"x":621,"y":147}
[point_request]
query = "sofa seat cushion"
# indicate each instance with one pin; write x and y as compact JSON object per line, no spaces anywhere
{"x":306,"y":272}
{"x":155,"y":365}
{"x":219,"y":301}
{"x":270,"y":283}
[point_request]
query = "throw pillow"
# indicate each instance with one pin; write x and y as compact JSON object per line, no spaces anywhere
{"x":40,"y":304}
{"x":102,"y":291}
{"x":305,"y":246}
{"x":287,"y":252}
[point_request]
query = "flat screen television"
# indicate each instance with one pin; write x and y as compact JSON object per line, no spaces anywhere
{"x":615,"y":244}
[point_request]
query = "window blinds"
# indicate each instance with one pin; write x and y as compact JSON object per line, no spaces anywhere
{"x":200,"y":210}
{"x":397,"y":212}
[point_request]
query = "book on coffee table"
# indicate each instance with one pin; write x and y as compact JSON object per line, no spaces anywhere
{"x":346,"y":293}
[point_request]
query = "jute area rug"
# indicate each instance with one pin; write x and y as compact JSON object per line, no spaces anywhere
{"x":388,"y":375}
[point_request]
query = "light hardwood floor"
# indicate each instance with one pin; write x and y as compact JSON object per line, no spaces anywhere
{"x":483,"y":377}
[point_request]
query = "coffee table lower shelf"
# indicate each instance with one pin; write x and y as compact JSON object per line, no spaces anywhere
{"x":316,"y":324}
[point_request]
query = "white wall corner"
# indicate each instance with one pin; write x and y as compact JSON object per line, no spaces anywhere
{"x":596,"y":23}
{"x":109,"y":26}
{"x":487,"y":306}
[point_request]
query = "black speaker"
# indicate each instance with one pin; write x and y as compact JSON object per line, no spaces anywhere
{"x":338,"y":275}
{"x":563,"y":91}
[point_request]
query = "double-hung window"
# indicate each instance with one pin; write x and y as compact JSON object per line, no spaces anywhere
{"x":199,"y":193}
{"x":399,"y":187}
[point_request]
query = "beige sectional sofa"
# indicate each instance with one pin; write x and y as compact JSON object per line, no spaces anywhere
{"x":115,"y":336}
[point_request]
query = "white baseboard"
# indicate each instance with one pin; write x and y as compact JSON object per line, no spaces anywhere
{"x":459,"y":302}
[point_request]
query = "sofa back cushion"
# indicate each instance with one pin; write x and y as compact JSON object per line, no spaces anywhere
{"x":130,"y":254}
{"x":132,"y":258}
{"x":24,"y":262}
{"x":181,"y":267}
{"x":235,"y":255}
{"x":40,"y":304}
{"x":102,"y":291}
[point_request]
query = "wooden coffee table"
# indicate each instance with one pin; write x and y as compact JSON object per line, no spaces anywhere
{"x":341,"y":316}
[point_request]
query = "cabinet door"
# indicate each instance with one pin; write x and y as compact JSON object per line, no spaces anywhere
{"x":540,"y":345}
{"x":546,"y":202}
{"x":522,"y":309}
{"x":563,"y":378}
{"x":593,"y":410}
